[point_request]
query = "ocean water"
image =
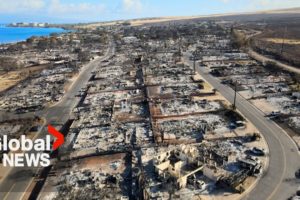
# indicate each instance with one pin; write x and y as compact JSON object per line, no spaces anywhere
{"x":16,"y":34}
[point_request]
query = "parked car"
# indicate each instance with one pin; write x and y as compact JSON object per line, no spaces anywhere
{"x":273,"y":114}
{"x":256,"y":151}
{"x":237,"y":142}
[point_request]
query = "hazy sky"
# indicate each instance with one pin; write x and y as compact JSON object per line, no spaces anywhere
{"x":68,"y":11}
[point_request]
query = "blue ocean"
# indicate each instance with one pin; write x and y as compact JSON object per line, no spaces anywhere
{"x":13,"y":34}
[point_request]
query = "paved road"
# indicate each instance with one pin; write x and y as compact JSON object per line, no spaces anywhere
{"x":279,"y":182}
{"x":14,"y":185}
{"x":62,"y":110}
{"x":263,"y":58}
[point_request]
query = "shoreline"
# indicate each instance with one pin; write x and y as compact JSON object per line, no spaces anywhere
{"x":46,"y":27}
{"x":60,"y":30}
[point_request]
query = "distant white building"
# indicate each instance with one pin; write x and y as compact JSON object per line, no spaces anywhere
{"x":130,"y":39}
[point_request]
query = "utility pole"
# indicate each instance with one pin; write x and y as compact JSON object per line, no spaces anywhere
{"x":235,"y":91}
{"x":283,"y":40}
{"x":180,"y":40}
{"x":194,"y":63}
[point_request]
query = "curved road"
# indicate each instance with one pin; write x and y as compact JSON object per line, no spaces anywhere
{"x":263,"y":59}
{"x":278,"y":182}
